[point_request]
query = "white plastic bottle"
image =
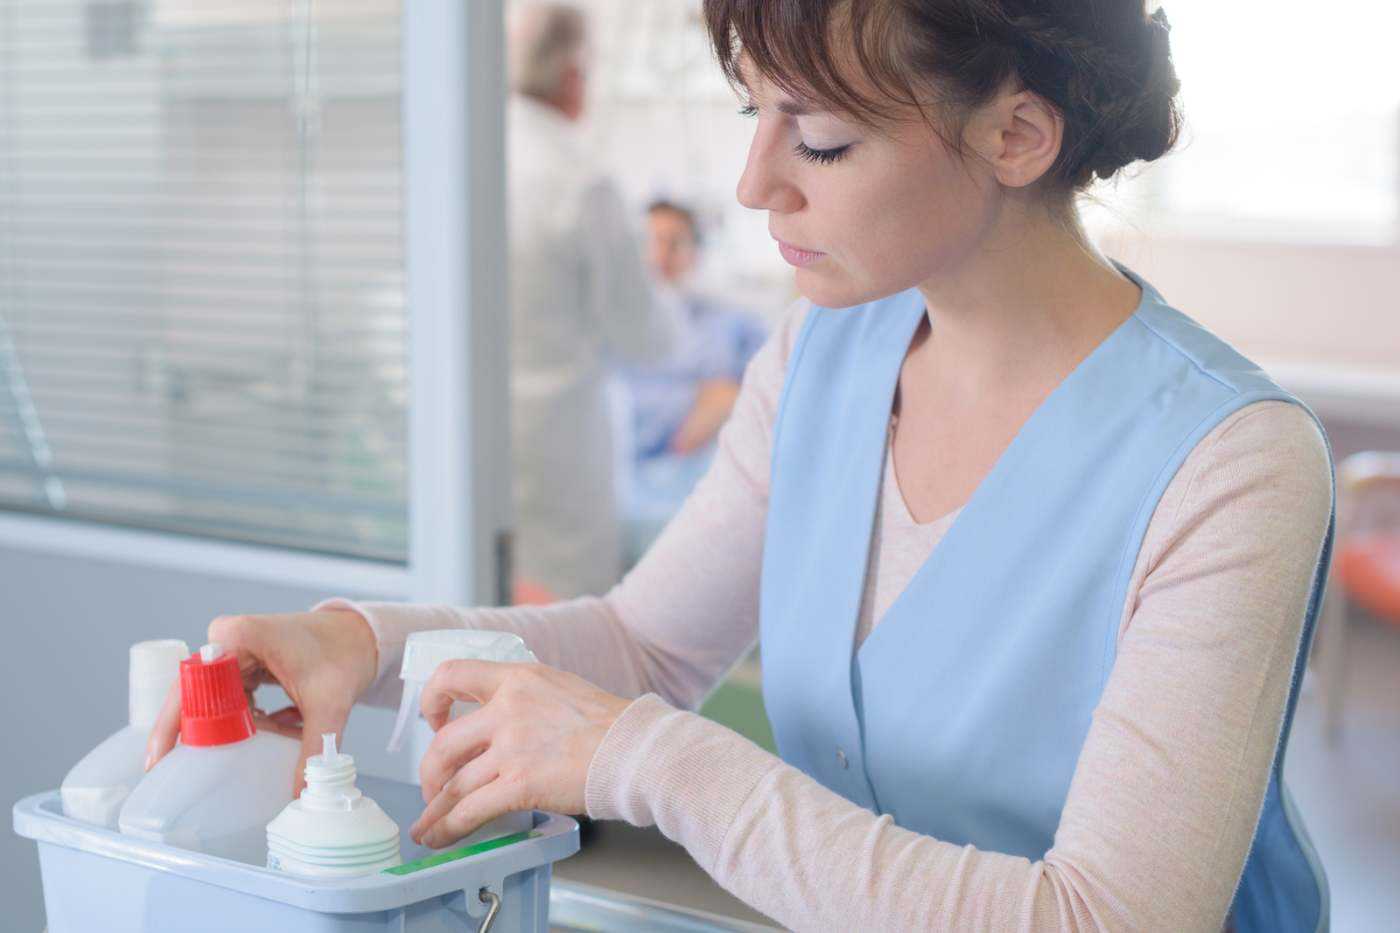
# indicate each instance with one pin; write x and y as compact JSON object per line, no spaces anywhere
{"x":332,"y":830}
{"x":215,"y":791}
{"x":423,"y":652}
{"x":99,"y":784}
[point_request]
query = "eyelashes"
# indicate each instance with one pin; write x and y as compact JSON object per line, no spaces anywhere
{"x":820,"y":156}
{"x":802,"y":150}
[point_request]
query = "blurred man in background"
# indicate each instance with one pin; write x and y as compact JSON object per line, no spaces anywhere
{"x":677,"y":406}
{"x":581,"y":302}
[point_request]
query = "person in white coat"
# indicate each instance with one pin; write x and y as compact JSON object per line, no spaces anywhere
{"x":581,"y":301}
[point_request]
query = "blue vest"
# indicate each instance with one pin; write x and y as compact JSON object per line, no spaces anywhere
{"x":963,"y":714}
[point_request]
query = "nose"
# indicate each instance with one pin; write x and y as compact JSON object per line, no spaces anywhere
{"x":763,"y":186}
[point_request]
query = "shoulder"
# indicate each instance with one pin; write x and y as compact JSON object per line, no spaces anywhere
{"x":1273,"y":443}
{"x":1260,"y":482}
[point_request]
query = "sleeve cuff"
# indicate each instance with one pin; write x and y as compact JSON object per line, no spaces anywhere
{"x":391,"y":624}
{"x":390,"y":649}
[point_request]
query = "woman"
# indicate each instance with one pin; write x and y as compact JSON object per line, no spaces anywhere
{"x":1033,"y":557}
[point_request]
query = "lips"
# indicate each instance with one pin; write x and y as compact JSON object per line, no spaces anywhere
{"x":796,"y":255}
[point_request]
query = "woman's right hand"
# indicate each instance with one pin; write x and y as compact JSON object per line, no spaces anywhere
{"x":323,"y":660}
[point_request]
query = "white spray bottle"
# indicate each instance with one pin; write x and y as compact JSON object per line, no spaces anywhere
{"x":423,"y":652}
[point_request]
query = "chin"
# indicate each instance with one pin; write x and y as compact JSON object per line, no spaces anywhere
{"x":836,"y":291}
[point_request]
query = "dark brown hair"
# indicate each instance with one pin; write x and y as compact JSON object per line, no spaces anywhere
{"x":1105,"y":65}
{"x":681,"y":211}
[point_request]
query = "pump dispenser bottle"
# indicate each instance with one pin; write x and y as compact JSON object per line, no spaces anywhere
{"x":332,"y":830}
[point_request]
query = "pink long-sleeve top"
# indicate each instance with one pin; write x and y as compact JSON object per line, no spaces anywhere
{"x":1169,"y":784}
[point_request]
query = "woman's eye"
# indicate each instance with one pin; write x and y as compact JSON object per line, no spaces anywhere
{"x":820,"y":156}
{"x":748,"y":111}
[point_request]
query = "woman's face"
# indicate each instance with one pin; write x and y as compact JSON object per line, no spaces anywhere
{"x":860,"y":213}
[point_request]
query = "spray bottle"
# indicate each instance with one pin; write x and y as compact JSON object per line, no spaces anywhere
{"x":423,"y":652}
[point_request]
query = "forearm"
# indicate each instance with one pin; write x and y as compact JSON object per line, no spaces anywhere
{"x":812,"y":860}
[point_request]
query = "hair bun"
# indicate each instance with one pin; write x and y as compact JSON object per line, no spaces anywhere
{"x":1139,"y":118}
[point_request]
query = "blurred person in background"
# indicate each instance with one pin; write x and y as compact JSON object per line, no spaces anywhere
{"x":680,"y":404}
{"x":581,"y":301}
{"x":676,"y":407}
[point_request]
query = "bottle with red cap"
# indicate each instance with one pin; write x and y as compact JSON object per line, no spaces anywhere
{"x":217,"y":789}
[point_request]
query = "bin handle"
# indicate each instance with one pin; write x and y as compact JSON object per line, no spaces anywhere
{"x":487,"y":896}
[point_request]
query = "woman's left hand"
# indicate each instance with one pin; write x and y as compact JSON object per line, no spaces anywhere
{"x":528,"y":747}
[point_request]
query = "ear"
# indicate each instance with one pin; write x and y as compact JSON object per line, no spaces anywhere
{"x":1019,"y":135}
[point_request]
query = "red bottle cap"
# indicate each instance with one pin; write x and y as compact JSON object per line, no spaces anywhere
{"x":213,"y":707}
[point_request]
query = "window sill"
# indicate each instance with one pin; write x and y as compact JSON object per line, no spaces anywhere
{"x":193,"y":555}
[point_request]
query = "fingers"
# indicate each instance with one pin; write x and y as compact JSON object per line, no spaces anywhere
{"x":472,"y":812}
{"x":286,"y":721}
{"x":240,"y":635}
{"x":475,"y":681}
{"x":475,"y":775}
{"x":167,"y":728}
{"x":454,"y":745}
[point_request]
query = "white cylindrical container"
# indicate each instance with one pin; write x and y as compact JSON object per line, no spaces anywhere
{"x":332,"y":830}
{"x":99,"y":784}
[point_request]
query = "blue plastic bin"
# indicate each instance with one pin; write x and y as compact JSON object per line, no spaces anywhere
{"x":98,"y":879}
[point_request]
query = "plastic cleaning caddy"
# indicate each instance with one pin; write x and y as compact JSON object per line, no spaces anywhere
{"x":97,"y":879}
{"x":99,"y":784}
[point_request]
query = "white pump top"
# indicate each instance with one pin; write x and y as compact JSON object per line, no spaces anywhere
{"x":330,"y":778}
{"x":154,"y":668}
{"x":424,"y":651}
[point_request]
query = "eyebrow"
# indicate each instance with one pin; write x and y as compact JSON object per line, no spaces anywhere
{"x":794,"y":109}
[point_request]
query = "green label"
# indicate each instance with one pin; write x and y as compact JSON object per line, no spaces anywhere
{"x":442,"y":858}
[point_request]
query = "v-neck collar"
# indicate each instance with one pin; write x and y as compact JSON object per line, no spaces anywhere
{"x":1034,"y":434}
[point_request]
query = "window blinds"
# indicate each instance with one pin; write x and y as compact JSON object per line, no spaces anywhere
{"x":202,"y":322}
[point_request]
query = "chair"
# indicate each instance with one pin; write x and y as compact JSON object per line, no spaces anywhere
{"x":1365,"y":566}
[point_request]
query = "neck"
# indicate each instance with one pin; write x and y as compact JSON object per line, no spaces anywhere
{"x":1031,"y":301}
